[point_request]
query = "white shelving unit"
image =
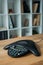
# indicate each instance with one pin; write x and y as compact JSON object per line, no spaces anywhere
{"x":16,"y":22}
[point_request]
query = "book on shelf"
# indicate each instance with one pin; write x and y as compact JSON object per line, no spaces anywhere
{"x":3,"y":35}
{"x":22,"y":9}
{"x":34,"y":31}
{"x":10,"y":11}
{"x":11,"y":22}
{"x":36,"y":20}
{"x":26,"y":7}
{"x":13,"y":35}
{"x":26,"y":22}
{"x":0,"y":36}
{"x":36,"y":7}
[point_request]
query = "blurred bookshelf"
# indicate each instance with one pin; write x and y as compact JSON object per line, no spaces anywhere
{"x":20,"y":18}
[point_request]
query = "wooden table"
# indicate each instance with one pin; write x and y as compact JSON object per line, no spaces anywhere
{"x":29,"y":59}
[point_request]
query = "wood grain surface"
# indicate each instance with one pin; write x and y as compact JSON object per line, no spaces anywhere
{"x":29,"y":59}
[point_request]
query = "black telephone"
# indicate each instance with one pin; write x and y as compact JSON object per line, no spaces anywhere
{"x":21,"y":48}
